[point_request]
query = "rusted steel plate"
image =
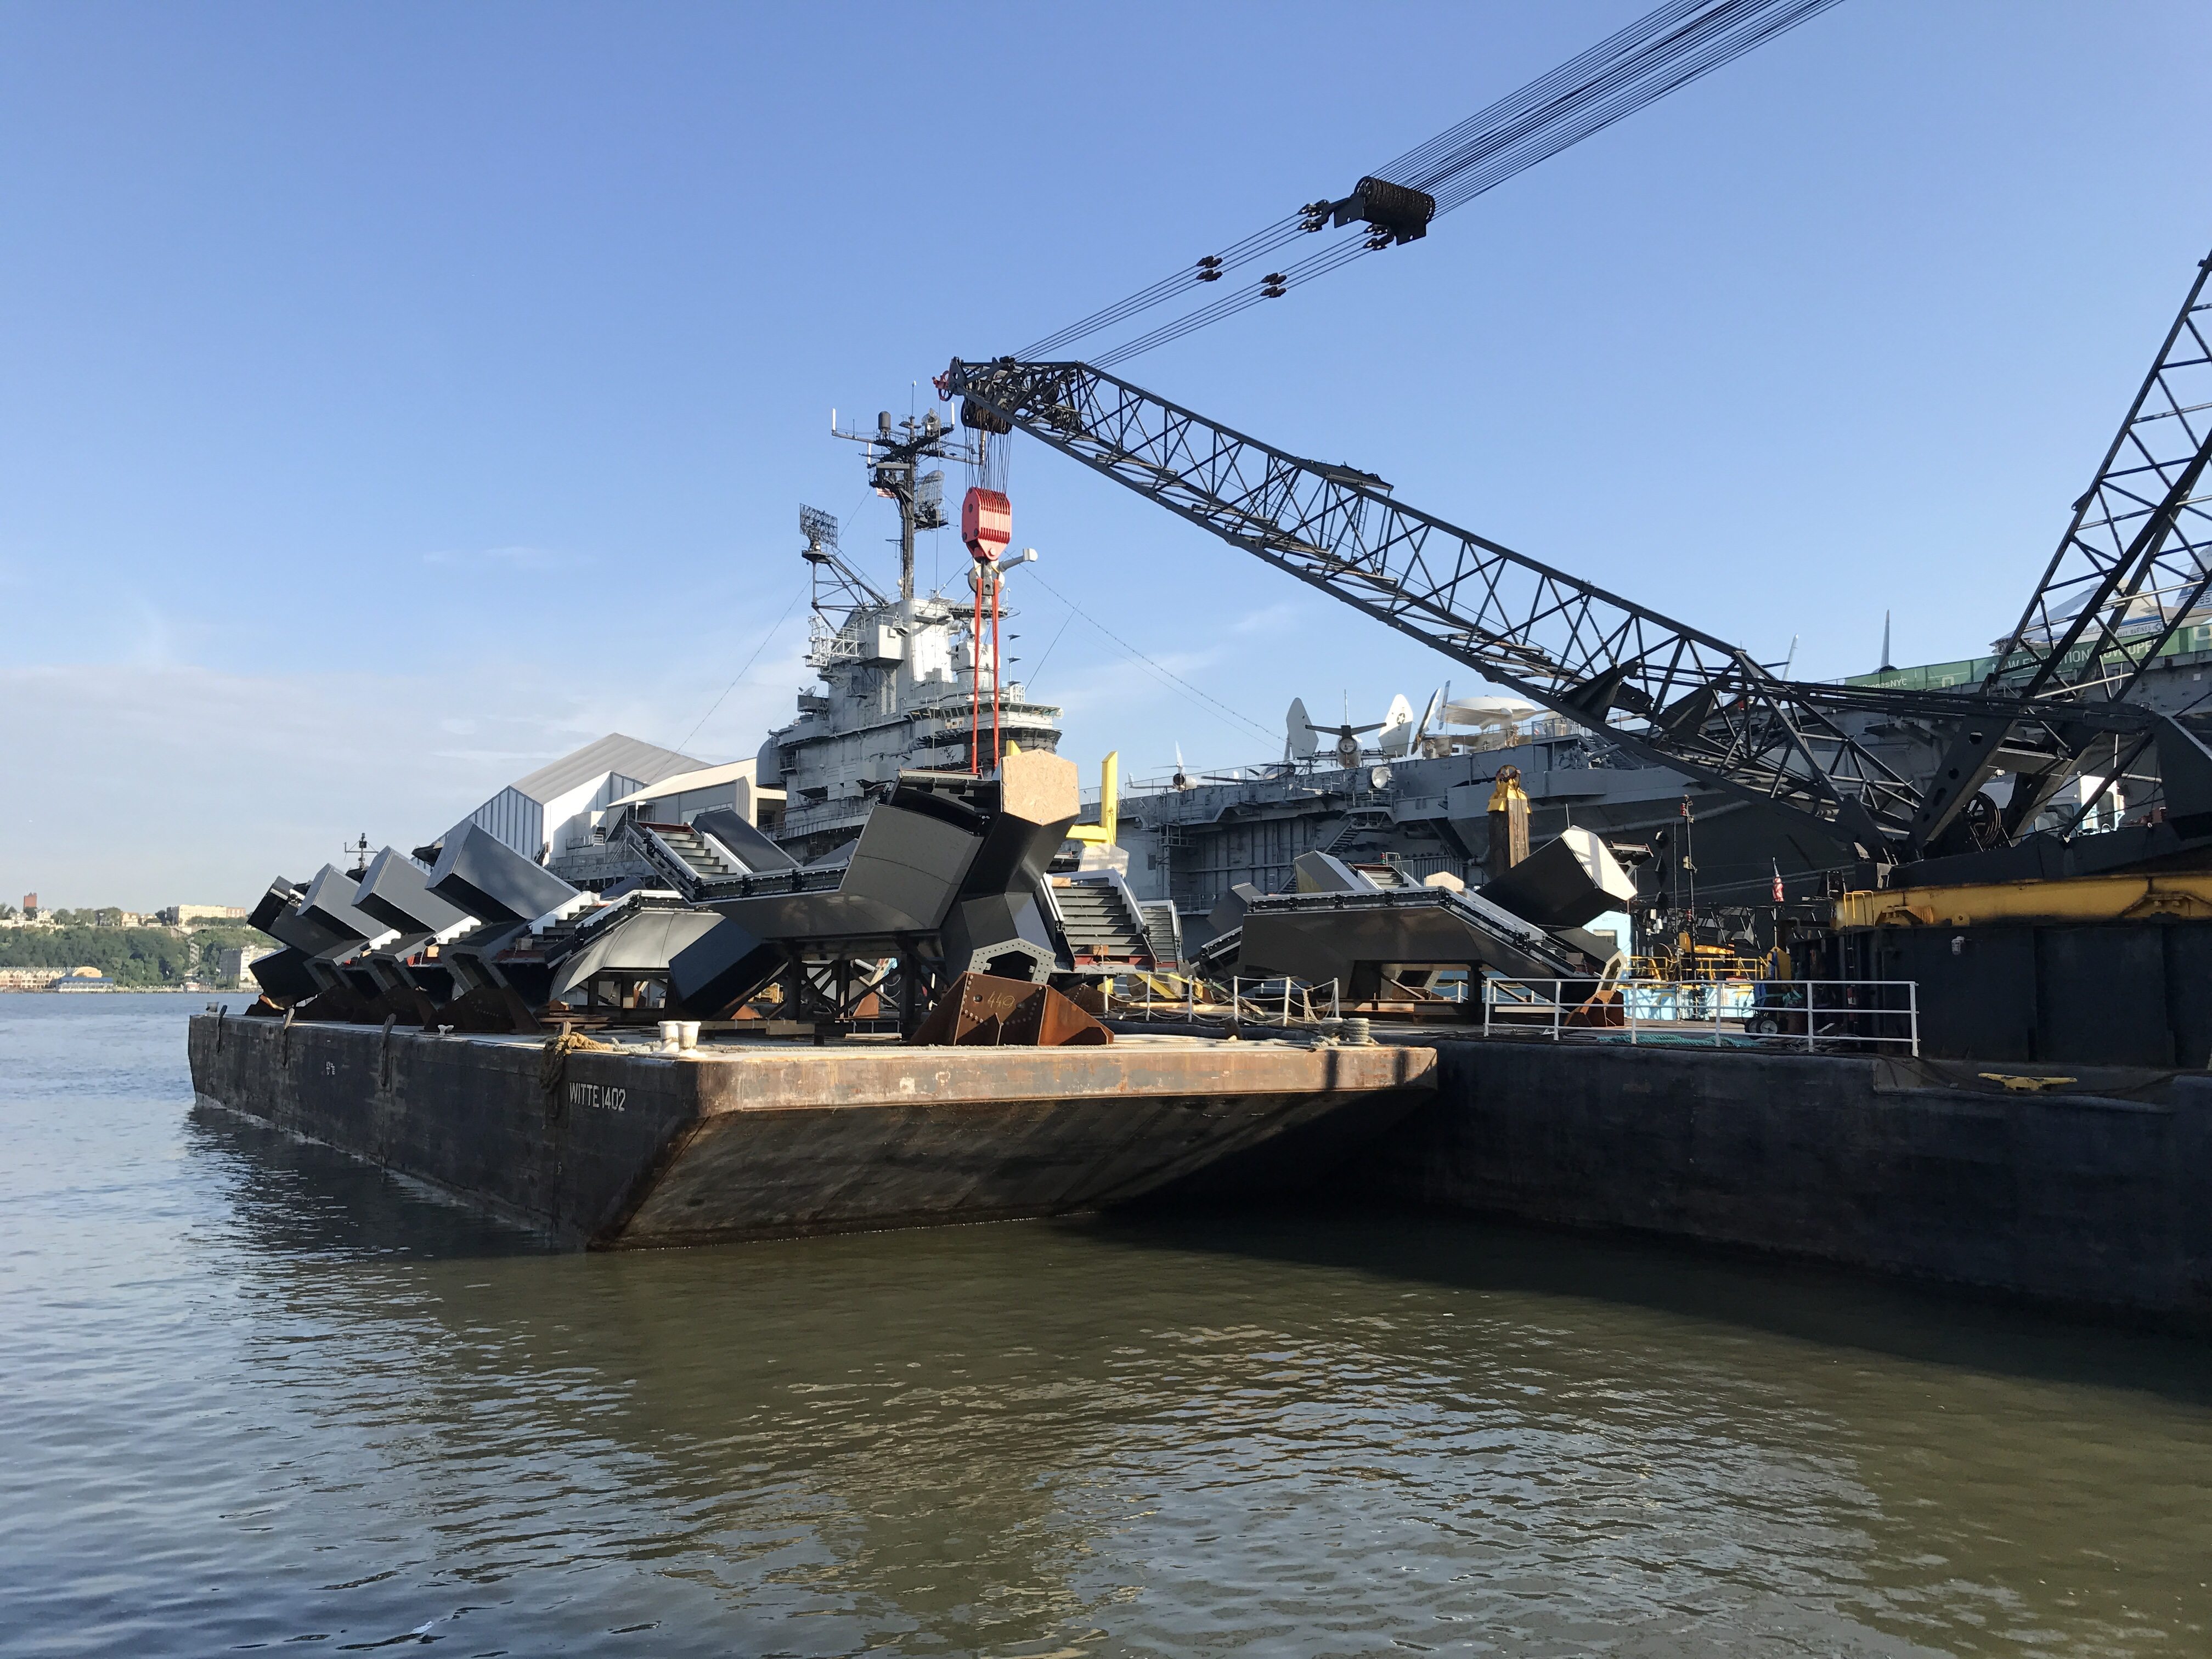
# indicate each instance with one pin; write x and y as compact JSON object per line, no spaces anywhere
{"x":985,"y":1012}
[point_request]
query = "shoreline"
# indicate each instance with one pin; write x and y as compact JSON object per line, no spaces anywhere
{"x":111,"y":990}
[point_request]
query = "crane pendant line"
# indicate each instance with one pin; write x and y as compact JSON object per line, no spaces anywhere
{"x":1696,"y":703}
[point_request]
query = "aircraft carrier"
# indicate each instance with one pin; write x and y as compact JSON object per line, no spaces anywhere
{"x":1412,"y":791}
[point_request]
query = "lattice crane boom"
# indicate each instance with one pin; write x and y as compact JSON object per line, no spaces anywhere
{"x":1694,"y":702}
{"x":2136,"y":561}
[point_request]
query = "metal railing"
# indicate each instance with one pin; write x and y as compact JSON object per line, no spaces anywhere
{"x":829,"y":814}
{"x":1294,"y":994}
{"x":1270,"y":999}
{"x":1882,"y":1013}
{"x":1727,"y":966}
{"x":1834,"y":1013}
{"x":1447,"y":741}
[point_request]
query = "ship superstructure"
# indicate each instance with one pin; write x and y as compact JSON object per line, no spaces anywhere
{"x":1419,"y":809}
{"x":905,"y":681}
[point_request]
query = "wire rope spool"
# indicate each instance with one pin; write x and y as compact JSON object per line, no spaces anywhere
{"x":1397,"y":211}
{"x":974,"y":416}
{"x":1672,"y":45}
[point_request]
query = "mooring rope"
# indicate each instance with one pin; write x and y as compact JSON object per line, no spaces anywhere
{"x":553,"y":1058}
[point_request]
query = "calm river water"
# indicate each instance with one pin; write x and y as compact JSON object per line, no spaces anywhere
{"x":257,"y":1395}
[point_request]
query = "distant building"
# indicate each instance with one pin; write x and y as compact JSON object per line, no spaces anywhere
{"x":231,"y":967}
{"x":183,"y":916}
{"x":681,"y":797}
{"x":30,"y":906}
{"x":28,"y":979}
{"x":544,"y":814}
{"x":84,"y":979}
{"x":591,"y":859}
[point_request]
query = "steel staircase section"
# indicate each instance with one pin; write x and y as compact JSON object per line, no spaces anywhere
{"x":694,"y":864}
{"x":1163,"y":933}
{"x":1104,"y":925}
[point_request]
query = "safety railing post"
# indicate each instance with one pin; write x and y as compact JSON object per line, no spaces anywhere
{"x":1812,"y":1003}
{"x":1558,"y":995}
{"x":1489,"y":1002}
{"x":1912,"y":1007}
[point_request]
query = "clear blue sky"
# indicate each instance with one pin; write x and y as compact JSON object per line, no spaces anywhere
{"x":397,"y":396}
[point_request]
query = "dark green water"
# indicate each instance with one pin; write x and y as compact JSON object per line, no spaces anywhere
{"x":257,"y":1396}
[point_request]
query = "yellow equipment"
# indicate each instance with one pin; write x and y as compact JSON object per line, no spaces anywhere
{"x":1685,"y":959}
{"x":1508,"y":822}
{"x":2186,"y":894}
{"x":1107,"y":831}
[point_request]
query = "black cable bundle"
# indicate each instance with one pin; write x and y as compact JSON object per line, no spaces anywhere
{"x":1638,"y":66}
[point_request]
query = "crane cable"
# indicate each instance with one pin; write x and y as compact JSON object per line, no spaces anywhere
{"x":1659,"y":52}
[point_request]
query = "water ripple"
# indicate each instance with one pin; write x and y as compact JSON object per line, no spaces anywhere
{"x":260,"y":1395}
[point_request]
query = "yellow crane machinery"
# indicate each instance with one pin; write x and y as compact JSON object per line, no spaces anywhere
{"x":2186,"y":894}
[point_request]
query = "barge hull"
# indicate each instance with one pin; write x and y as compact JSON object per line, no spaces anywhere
{"x":2094,"y":1193}
{"x":616,"y":1150}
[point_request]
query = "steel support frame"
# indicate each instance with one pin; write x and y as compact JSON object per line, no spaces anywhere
{"x":1706,"y":708}
{"x":2136,"y":560}
{"x":823,"y":988}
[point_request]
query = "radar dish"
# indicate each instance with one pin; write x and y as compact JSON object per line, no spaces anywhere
{"x":929,"y":501}
{"x":1301,"y":741}
{"x":819,"y":528}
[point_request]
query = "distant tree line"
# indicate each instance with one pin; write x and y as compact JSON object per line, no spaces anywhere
{"x":129,"y":956}
{"x":106,"y":917}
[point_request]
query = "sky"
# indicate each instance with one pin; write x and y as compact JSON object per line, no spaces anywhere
{"x":398,"y":396}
